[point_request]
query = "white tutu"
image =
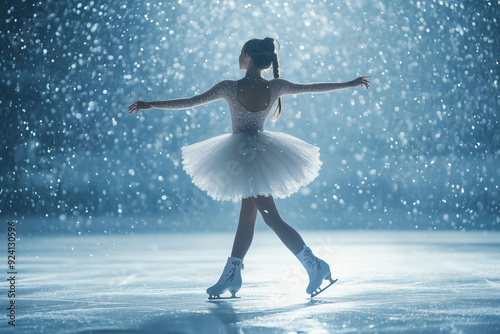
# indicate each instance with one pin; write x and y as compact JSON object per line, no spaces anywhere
{"x":237,"y":165}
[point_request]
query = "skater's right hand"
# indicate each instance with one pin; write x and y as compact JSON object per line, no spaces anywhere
{"x":138,"y":106}
{"x":361,"y":81}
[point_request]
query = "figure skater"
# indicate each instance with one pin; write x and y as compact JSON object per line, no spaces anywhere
{"x":252,"y":164}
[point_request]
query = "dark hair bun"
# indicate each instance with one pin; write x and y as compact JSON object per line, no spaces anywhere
{"x":261,"y":51}
{"x":269,"y":44}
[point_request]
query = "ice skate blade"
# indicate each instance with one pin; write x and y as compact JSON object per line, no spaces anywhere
{"x":218,"y":297}
{"x":320,"y":289}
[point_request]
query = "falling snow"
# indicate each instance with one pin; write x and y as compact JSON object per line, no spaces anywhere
{"x":420,"y":149}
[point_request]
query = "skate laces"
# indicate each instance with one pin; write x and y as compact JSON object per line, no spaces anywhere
{"x":232,"y":269}
{"x":237,"y":263}
{"x":310,"y":258}
{"x":313,"y":263}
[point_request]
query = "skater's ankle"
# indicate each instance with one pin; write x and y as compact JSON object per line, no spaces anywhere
{"x":236,"y":258}
{"x":302,"y":250}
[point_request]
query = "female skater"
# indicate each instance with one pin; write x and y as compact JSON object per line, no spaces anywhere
{"x":252,"y":164}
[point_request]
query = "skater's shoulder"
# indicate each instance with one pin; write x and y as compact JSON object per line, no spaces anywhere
{"x":279,"y":83}
{"x":225,"y":83}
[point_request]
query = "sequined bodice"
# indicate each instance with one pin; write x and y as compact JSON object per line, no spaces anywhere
{"x":242,"y":119}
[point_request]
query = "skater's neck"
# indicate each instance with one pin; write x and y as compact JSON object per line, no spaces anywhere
{"x":253,"y":73}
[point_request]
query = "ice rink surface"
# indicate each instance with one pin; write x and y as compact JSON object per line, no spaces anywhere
{"x":389,"y":282}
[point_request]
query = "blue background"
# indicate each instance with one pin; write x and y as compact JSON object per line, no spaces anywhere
{"x":420,"y":149}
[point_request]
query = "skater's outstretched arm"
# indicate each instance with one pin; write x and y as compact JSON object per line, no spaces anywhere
{"x":288,"y":87}
{"x":214,"y":93}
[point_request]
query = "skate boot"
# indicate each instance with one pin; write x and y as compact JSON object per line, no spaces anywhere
{"x":317,"y":269}
{"x":229,"y":280}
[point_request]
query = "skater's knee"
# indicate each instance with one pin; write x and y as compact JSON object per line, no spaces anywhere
{"x":268,"y":210}
{"x":273,"y":222}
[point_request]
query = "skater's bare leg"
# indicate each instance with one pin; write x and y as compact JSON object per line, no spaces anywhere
{"x":290,"y":237}
{"x":246,"y":225}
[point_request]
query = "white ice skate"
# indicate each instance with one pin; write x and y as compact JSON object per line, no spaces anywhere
{"x":230,"y":280}
{"x":317,"y":269}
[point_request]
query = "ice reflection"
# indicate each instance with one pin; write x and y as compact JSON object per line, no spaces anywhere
{"x":156,"y":283}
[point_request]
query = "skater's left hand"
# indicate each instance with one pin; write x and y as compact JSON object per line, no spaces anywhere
{"x":361,"y":81}
{"x":138,"y":106}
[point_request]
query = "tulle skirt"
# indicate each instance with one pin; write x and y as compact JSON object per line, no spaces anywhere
{"x":233,"y":166}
